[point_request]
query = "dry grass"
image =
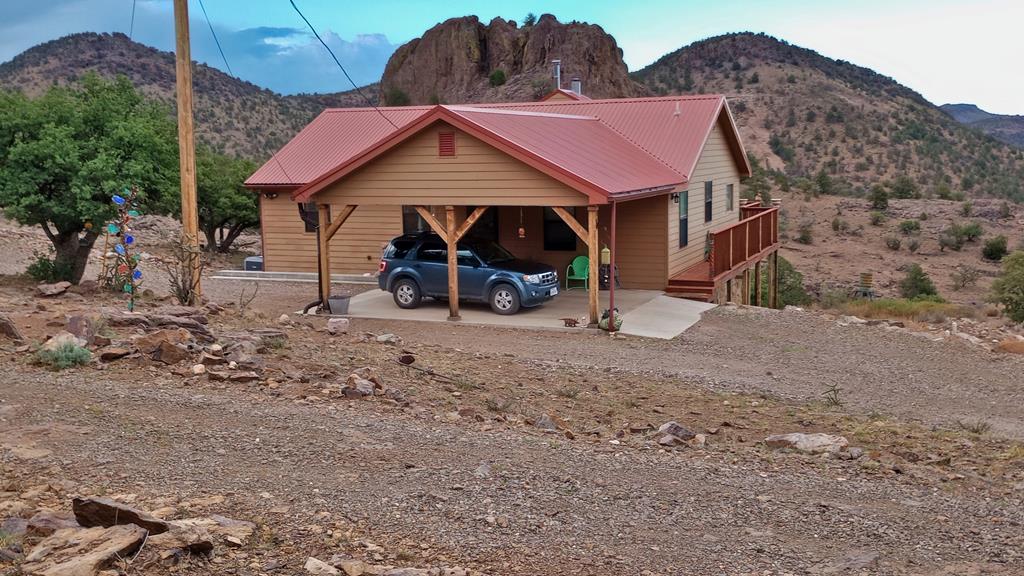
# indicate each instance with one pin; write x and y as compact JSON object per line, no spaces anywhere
{"x":916,"y":310}
{"x":1011,"y":346}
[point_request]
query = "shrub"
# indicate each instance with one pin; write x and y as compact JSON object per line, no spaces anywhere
{"x":994,"y":248}
{"x":964,"y":276}
{"x":877,"y":218}
{"x":951,"y":240}
{"x":1004,"y":210}
{"x":972,"y":231}
{"x":966,"y":208}
{"x":1008,"y":289}
{"x":909,"y":227}
{"x":920,"y":309}
{"x":840,"y":225}
{"x":805,"y":233}
{"x":879,"y":197}
{"x":923,"y":216}
{"x":914,"y":245}
{"x":46,"y":269}
{"x":917,"y":283}
{"x":64,"y":356}
{"x":893,"y":243}
{"x":497,"y":78}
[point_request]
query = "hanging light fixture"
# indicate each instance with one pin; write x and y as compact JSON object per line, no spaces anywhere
{"x":522,"y":226}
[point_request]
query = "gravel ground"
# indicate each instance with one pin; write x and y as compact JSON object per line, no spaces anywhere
{"x":557,"y":507}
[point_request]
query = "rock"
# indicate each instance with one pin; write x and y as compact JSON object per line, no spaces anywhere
{"x":78,"y":552}
{"x":198,"y":369}
{"x":217,"y":376}
{"x":350,"y":566}
{"x":106,"y":512}
{"x":244,"y":377}
{"x":369,"y":374}
{"x":50,"y":290}
{"x":148,"y":343}
{"x":170,"y":353}
{"x":194,"y":327}
{"x":8,"y":329}
{"x":61,"y":338}
{"x":546,"y":423}
{"x":357,"y":387}
{"x":698,"y":441}
{"x":284,"y":319}
{"x":337,"y":326}
{"x":851,"y":453}
{"x":83,"y":327}
{"x":672,"y":428}
{"x":45,"y":522}
{"x":319,"y":567}
{"x":209,"y":359}
{"x":388,"y":339}
{"x":215,"y":349}
{"x":406,"y":359}
{"x":190,"y":312}
{"x":854,"y":562}
{"x":810,"y":443}
{"x":411,"y":572}
{"x":234,"y":532}
{"x":181,"y":540}
{"x":14,"y":527}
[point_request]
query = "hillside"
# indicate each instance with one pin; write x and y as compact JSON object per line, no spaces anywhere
{"x":802,"y":113}
{"x":232,"y":115}
{"x":454,"y":61}
{"x":1009,"y":129}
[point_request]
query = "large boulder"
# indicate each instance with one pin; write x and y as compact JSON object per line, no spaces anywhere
{"x":8,"y":329}
{"x":61,"y":339}
{"x":810,"y":443}
{"x":107,"y":512}
{"x":83,"y":552}
{"x":50,"y":290}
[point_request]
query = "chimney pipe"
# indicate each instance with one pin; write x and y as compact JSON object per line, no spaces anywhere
{"x":577,"y":85}
{"x":558,"y":73}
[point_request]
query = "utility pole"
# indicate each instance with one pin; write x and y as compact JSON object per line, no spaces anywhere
{"x":187,"y":148}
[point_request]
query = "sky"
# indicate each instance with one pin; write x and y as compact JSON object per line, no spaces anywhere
{"x":950,"y":51}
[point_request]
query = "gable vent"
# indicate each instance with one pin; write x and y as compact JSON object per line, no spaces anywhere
{"x":446,"y":143}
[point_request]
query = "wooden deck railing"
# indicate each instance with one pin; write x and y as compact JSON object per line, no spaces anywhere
{"x":734,"y":245}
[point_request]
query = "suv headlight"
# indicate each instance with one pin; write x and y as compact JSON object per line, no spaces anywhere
{"x":531,"y":278}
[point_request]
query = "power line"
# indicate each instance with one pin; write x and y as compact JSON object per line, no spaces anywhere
{"x":338,"y":62}
{"x":215,"y":40}
{"x":131,"y":27}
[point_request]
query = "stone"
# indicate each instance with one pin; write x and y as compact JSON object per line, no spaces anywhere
{"x":369,"y":374}
{"x":78,"y":552}
{"x":357,"y":387}
{"x":198,"y":369}
{"x":181,"y":540}
{"x":337,"y":326}
{"x":406,"y":359}
{"x":388,"y":339}
{"x":217,"y":376}
{"x":410,"y":572}
{"x":209,"y":359}
{"x":234,"y":532}
{"x":850,"y":320}
{"x":105,"y":512}
{"x":14,"y":527}
{"x":546,"y":423}
{"x":170,"y":353}
{"x":45,"y":522}
{"x":215,"y":349}
{"x":8,"y":329}
{"x":319,"y":567}
{"x":673,"y":428}
{"x":811,"y":443}
{"x":350,"y":566}
{"x":60,"y":339}
{"x":83,"y":327}
{"x":50,"y":290}
{"x":698,"y":441}
{"x":148,"y":343}
{"x":284,"y":319}
{"x":244,"y":377}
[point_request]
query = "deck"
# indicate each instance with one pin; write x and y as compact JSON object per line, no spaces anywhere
{"x":734,"y":250}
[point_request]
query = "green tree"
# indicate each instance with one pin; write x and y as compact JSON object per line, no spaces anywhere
{"x":917,"y":283}
{"x":995,"y":248}
{"x":1008,"y":289}
{"x":879,"y":197}
{"x":497,"y":78}
{"x":224,"y":202}
{"x":64,"y":154}
{"x":530,"y":19}
{"x":823,"y":183}
{"x":903,"y":187}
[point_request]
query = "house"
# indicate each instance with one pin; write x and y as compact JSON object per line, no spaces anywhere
{"x":656,"y":180}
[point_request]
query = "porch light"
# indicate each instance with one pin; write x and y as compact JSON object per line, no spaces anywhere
{"x":675,"y":197}
{"x":270,"y":195}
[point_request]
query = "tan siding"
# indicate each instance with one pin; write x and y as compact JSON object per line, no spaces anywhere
{"x":717,"y":164}
{"x":414,"y":174}
{"x":641,"y":241}
{"x":355,"y":249}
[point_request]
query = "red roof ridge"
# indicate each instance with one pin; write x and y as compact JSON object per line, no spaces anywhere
{"x":475,"y":109}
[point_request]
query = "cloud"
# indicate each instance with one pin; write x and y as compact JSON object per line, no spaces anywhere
{"x":283,"y":59}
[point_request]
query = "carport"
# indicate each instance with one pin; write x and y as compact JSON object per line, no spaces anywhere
{"x":452,"y":164}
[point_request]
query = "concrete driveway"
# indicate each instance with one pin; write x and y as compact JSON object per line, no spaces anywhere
{"x":646,"y":313}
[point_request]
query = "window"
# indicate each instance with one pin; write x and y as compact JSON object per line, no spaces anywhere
{"x":412,"y":221}
{"x":433,"y":251}
{"x":310,"y":216}
{"x":486,"y":227}
{"x":557,"y":234}
{"x":730,"y":197}
{"x":399,"y":249}
{"x":708,"y":200}
{"x":684,"y":218}
{"x":446,"y":143}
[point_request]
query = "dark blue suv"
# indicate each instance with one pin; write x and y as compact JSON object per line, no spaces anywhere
{"x":416,"y":265}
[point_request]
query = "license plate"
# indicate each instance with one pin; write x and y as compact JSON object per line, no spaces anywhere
{"x":554,"y":291}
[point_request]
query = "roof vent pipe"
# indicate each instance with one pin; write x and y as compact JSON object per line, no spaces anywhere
{"x":557,"y":73}
{"x":577,"y":85}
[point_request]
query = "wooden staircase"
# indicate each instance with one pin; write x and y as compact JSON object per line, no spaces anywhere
{"x":694,"y":283}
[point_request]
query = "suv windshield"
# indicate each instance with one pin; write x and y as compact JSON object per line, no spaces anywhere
{"x":491,"y":252}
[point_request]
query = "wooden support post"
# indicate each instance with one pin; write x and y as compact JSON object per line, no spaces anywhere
{"x":773,"y":282}
{"x":465,"y":226}
{"x":594,"y":255}
{"x":435,"y":225}
{"x":745,"y":299}
{"x":728,"y":290}
{"x":340,"y":219}
{"x":186,"y":147}
{"x":453,"y":264}
{"x":758,"y":301}
{"x":324,"y":251}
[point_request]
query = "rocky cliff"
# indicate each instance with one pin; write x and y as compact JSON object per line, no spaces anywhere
{"x":464,"y":60}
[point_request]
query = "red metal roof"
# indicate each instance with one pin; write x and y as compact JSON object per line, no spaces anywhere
{"x":603,"y":147}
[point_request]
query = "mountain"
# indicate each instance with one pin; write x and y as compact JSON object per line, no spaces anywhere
{"x":802,"y":113}
{"x":463,"y":60}
{"x":232,"y":116}
{"x":1009,"y":129}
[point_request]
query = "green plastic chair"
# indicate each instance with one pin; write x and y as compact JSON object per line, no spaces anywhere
{"x":578,"y":271}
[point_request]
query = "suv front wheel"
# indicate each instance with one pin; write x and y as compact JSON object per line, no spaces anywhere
{"x":504,"y":299}
{"x":406,"y":293}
